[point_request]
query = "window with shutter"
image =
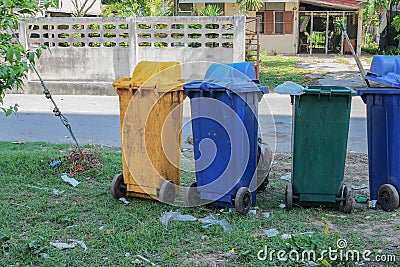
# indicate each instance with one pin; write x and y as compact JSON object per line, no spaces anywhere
{"x":269,"y":22}
{"x":288,"y":22}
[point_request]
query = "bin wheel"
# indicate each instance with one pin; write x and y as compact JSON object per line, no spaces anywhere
{"x":192,"y":196}
{"x":348,"y":200}
{"x":167,"y":192}
{"x":388,"y":197}
{"x":289,"y":197}
{"x":243,"y":200}
{"x":118,"y":188}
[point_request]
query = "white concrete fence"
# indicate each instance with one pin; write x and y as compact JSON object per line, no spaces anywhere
{"x":87,"y":54}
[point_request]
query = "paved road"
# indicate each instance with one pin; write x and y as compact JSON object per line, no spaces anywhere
{"x":95,"y":120}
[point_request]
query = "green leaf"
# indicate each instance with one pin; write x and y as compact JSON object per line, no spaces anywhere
{"x":38,"y":53}
{"x":10,"y":55}
{"x":31,"y":57}
{"x":9,"y":112}
{"x":325,"y":263}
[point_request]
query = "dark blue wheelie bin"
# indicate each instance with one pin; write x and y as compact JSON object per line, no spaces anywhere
{"x":224,"y":109}
{"x":383,"y":129}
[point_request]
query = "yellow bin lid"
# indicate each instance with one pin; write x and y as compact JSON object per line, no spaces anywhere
{"x":149,"y":75}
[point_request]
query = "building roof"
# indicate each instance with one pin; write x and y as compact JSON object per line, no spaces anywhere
{"x":337,"y":4}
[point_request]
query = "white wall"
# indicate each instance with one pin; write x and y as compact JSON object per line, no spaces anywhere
{"x":99,"y":64}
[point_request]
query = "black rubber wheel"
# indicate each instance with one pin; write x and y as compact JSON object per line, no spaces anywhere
{"x":167,"y":192}
{"x":243,"y":200}
{"x":348,"y":200}
{"x":192,"y":196}
{"x":289,"y":197}
{"x":118,"y":188}
{"x":388,"y":197}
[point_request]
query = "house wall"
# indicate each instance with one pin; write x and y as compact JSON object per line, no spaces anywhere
{"x":83,"y":57}
{"x":282,"y":43}
{"x":68,"y":6}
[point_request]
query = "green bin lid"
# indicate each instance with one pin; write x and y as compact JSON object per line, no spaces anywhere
{"x":329,"y":90}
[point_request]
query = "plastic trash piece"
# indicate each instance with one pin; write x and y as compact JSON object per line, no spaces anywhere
{"x":282,"y":206}
{"x":61,"y":245}
{"x":289,"y":88}
{"x":123,"y":200}
{"x":166,"y":217}
{"x":145,"y":259}
{"x":55,"y":191}
{"x":55,"y":163}
{"x":69,"y":180}
{"x":252,"y":212}
{"x":80,"y":243}
{"x":286,"y":236}
{"x":358,"y":187}
{"x":361,"y":199}
{"x":271,"y":232}
{"x":266,"y":214}
{"x":372,"y":204}
{"x":287,"y":176}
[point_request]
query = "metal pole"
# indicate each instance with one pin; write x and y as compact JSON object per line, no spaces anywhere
{"x":176,"y":7}
{"x":327,"y":33}
{"x":311,"y":31}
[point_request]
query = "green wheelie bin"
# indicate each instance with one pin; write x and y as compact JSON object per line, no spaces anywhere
{"x":320,"y":121}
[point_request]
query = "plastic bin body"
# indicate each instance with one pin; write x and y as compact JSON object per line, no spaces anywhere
{"x":135,"y":128}
{"x":225,"y":131}
{"x":319,"y":142}
{"x":383,"y":126}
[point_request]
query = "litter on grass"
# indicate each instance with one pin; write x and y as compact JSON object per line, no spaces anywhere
{"x":71,"y":181}
{"x":74,"y":243}
{"x":286,"y":236}
{"x":55,"y":191}
{"x":358,"y":187}
{"x":145,"y":260}
{"x":361,"y":199}
{"x":287,"y":176}
{"x":167,"y":217}
{"x":55,"y":163}
{"x":271,"y":232}
{"x":123,"y":200}
{"x":266,"y":214}
{"x":282,"y":206}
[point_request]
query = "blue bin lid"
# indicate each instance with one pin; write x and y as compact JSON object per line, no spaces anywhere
{"x":385,"y":70}
{"x":247,"y":68}
{"x":237,"y":77}
{"x":378,"y":91}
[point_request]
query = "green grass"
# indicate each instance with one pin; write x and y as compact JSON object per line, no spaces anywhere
{"x":275,"y":70}
{"x":114,"y":233}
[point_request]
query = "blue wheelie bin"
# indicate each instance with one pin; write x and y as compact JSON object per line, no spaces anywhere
{"x":383,"y":129}
{"x":224,"y":109}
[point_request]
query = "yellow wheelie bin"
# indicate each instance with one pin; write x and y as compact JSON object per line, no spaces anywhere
{"x":151,"y":120}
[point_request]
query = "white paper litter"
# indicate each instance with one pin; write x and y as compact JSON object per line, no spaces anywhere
{"x":282,"y":206}
{"x":69,"y":180}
